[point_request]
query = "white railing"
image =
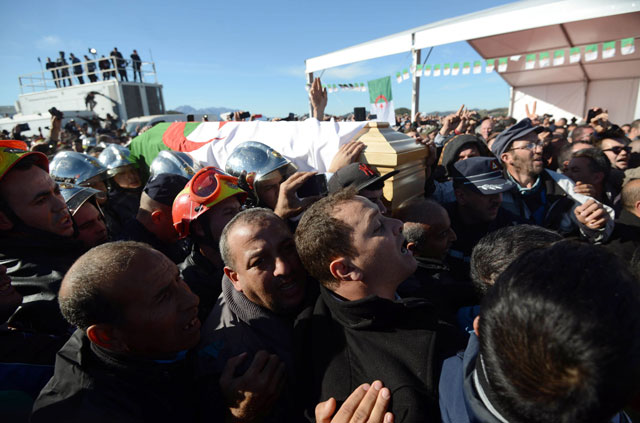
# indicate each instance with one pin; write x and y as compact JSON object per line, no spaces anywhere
{"x":64,"y":76}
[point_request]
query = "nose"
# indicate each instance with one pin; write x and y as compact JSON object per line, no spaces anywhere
{"x":396,"y":226}
{"x":189,"y":299}
{"x":381,"y":206}
{"x":282,"y":268}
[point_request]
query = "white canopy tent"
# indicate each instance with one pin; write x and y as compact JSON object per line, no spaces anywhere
{"x":529,"y":27}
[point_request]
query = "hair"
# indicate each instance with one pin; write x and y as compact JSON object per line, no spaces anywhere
{"x":321,"y":238}
{"x":598,"y":161}
{"x":83,"y":298}
{"x":558,"y":336}
{"x":578,"y":131}
{"x":630,"y":195}
{"x":613,"y":133}
{"x":254,"y":216}
{"x":498,"y":249}
{"x":635,"y":124}
{"x":414,"y":212}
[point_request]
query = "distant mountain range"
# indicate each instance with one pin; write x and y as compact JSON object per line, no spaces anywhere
{"x":213,"y":111}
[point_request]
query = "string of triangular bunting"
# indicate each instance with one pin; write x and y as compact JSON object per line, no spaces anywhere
{"x":532,"y":61}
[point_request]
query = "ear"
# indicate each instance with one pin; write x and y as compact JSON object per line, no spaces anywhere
{"x":106,"y":337}
{"x":505,"y":157}
{"x":476,"y":325}
{"x":413,"y":247}
{"x":156,"y":216}
{"x":637,"y":207}
{"x":343,"y":270}
{"x":233,"y":277}
{"x":5,"y":223}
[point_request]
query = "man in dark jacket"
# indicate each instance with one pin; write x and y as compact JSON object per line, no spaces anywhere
{"x":153,"y":223}
{"x":128,"y":359}
{"x":478,"y":186}
{"x":543,"y":197}
{"x":358,"y":327}
{"x":202,"y":218}
{"x":77,"y":68}
{"x":626,"y":235}
{"x":37,"y":244}
{"x":551,"y":343}
{"x":264,"y":287}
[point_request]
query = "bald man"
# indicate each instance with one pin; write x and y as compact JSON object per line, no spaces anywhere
{"x":428,"y":233}
{"x":625,"y":239}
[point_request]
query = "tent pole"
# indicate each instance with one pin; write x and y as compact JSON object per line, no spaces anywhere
{"x":511,"y":98}
{"x":415,"y":91}
{"x":310,"y":81}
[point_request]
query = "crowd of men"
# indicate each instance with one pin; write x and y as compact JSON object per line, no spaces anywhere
{"x":507,"y":292}
{"x":106,"y":67}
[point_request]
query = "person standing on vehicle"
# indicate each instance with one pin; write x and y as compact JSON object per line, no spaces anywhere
{"x":136,"y":63}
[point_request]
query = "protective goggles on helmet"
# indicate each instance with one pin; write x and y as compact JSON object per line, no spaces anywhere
{"x":208,"y":187}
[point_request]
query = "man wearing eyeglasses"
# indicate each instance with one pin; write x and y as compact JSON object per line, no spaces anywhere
{"x":544,"y":197}
{"x":617,"y":150}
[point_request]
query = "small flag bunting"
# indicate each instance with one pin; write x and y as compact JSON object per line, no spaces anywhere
{"x":466,"y":68}
{"x":558,"y":57}
{"x":591,"y":52}
{"x":530,"y":61}
{"x":405,"y":74}
{"x":418,"y":71}
{"x":490,"y":66}
{"x":447,"y":69}
{"x":544,"y":60}
{"x":502,"y":64}
{"x":608,"y":50}
{"x":456,"y":69}
{"x":427,"y":70}
{"x":627,"y":46}
{"x":574,"y":55}
{"x":436,"y":70}
{"x":477,"y":67}
{"x":398,"y":77}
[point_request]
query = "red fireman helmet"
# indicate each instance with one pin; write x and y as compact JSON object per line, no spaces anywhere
{"x":208,"y":187}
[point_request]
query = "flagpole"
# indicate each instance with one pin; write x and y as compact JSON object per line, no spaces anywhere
{"x":415,"y":91}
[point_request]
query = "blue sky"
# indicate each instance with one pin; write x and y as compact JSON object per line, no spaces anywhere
{"x":247,"y":54}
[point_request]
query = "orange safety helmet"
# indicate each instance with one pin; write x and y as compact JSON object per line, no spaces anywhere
{"x":208,"y":187}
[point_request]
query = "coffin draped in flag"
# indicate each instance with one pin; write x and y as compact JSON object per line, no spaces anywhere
{"x":381,"y":100}
{"x":309,"y":144}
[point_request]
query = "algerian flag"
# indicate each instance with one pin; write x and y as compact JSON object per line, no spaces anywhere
{"x":427,"y":70}
{"x":502,"y":64}
{"x":491,"y":64}
{"x":456,"y":69}
{"x":544,"y":59}
{"x":590,"y":52}
{"x":447,"y":69}
{"x":405,"y":74}
{"x":574,"y":55}
{"x":335,"y":89}
{"x":436,"y":70}
{"x":466,"y":68}
{"x":363,"y":88}
{"x":418,"y":71}
{"x":608,"y":50}
{"x":398,"y":78}
{"x":627,"y":46}
{"x":477,"y":67}
{"x":530,"y":61}
{"x":515,"y":58}
{"x":381,"y":99}
{"x":558,"y":57}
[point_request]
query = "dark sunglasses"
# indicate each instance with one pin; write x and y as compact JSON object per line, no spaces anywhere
{"x":617,"y":150}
